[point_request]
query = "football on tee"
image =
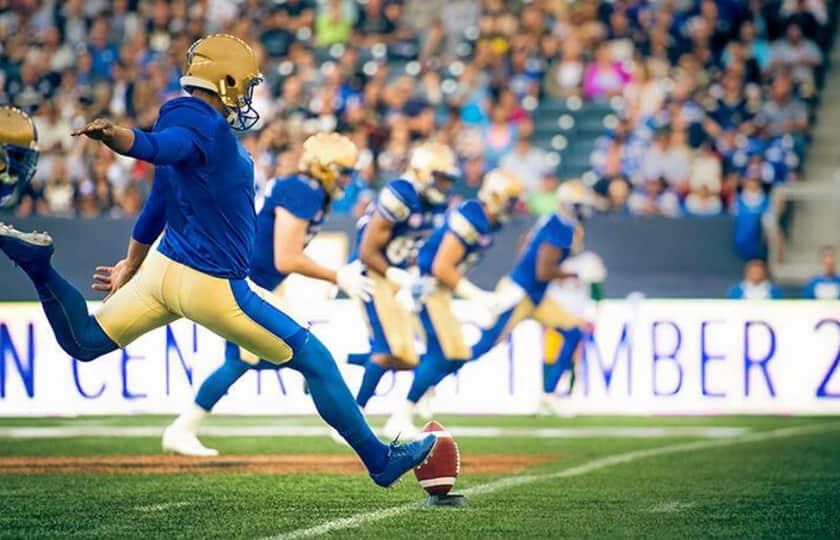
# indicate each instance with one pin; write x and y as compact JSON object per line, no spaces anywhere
{"x":438,"y":473}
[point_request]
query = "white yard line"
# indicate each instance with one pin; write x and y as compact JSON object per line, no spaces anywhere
{"x":670,"y":507}
{"x":90,"y":430}
{"x":502,"y":484}
{"x":162,"y":506}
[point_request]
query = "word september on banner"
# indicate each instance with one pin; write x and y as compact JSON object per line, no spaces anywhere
{"x":652,"y":357}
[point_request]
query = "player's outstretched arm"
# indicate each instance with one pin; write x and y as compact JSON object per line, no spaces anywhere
{"x":289,"y":257}
{"x":165,"y":147}
{"x":117,"y":138}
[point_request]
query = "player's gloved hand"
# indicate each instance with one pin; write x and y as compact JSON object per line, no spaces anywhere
{"x":399,"y":277}
{"x":492,"y":303}
{"x":411,"y":297}
{"x":110,"y":278}
{"x":349,"y":279}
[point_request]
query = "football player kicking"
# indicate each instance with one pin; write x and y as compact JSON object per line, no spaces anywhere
{"x":454,"y":247}
{"x":200,"y":267}
{"x":290,"y":217}
{"x":390,"y":235}
{"x":521,"y":295}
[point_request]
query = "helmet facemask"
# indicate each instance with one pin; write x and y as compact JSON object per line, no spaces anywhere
{"x":436,"y":191}
{"x":17,"y":167}
{"x":243,"y":116}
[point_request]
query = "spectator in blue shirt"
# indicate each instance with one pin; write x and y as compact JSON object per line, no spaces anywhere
{"x":826,"y":285}
{"x":756,"y":284}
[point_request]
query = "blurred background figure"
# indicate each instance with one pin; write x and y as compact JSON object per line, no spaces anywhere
{"x":756,"y":284}
{"x":826,"y":284}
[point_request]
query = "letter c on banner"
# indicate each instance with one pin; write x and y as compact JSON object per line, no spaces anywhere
{"x":78,"y":382}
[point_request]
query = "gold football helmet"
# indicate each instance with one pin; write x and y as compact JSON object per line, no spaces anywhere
{"x":432,"y":168}
{"x":226,"y":66}
{"x":329,"y":158}
{"x":499,"y":192}
{"x":576,"y":200}
{"x":18,"y":153}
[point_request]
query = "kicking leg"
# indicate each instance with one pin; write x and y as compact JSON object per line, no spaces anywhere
{"x":336,"y":406}
{"x":76,"y":331}
{"x":248,"y":315}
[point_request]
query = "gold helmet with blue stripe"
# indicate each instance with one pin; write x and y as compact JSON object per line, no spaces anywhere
{"x":576,"y":200}
{"x":329,"y":158}
{"x":499,"y":192}
{"x":225,"y":65}
{"x":432,"y":168}
{"x":18,"y":153}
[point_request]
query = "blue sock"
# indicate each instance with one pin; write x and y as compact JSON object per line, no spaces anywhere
{"x":334,"y":401}
{"x":373,"y":374}
{"x":551,"y":375}
{"x":358,"y":359}
{"x":219,"y":382}
{"x":76,"y":331}
{"x":433,"y":368}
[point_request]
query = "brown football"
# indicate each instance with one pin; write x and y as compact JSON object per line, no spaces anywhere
{"x":438,"y":473}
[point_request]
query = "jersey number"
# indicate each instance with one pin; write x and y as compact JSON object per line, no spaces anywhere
{"x":402,"y":249}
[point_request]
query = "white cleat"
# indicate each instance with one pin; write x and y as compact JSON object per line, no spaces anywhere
{"x":177,"y":440}
{"x":552,"y":405}
{"x":424,"y":406}
{"x":399,"y":426}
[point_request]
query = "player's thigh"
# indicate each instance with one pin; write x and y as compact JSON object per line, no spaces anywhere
{"x":552,"y":314}
{"x":446,"y":326}
{"x":241,"y":312}
{"x":392,"y":327}
{"x":136,"y":308}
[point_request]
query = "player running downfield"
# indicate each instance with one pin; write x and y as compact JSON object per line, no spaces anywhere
{"x":290,"y":217}
{"x":200,"y":267}
{"x":389,"y":236}
{"x":522,"y":295}
{"x":454,"y":247}
{"x":550,"y":243}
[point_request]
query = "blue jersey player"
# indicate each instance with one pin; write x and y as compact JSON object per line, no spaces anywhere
{"x":446,"y":257}
{"x":522,"y":294}
{"x":200,"y":267}
{"x":391,"y":233}
{"x":290,"y":217}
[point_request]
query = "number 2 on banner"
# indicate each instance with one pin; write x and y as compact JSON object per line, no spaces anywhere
{"x":822,"y":391}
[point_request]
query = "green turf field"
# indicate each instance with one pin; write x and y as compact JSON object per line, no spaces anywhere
{"x":654,"y":477}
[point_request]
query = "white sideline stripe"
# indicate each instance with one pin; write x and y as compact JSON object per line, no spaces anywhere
{"x":59,"y":432}
{"x":363,"y":518}
{"x":162,"y":506}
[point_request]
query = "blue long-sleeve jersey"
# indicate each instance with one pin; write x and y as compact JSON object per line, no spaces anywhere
{"x":204,"y":180}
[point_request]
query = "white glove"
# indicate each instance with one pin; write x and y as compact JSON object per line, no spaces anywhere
{"x":399,"y":277}
{"x":469,"y":291}
{"x":349,"y":279}
{"x":412,"y":296}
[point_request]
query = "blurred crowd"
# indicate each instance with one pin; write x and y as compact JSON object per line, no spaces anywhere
{"x":714,"y":98}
